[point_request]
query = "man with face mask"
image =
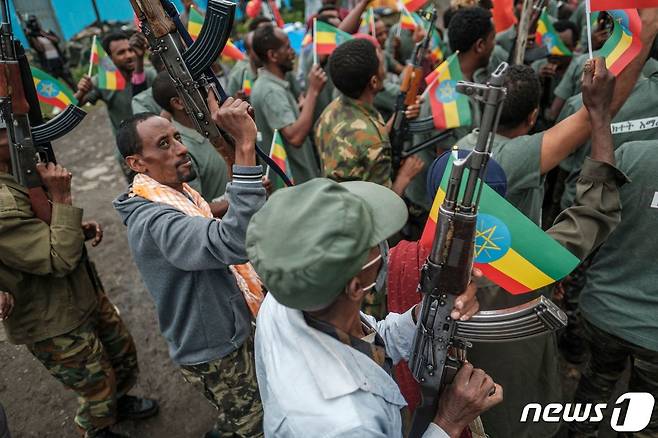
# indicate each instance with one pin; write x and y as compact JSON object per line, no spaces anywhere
{"x":324,"y":368}
{"x":276,"y":106}
{"x":187,"y":258}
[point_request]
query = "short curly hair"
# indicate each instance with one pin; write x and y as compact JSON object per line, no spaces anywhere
{"x":467,"y":25}
{"x":352,"y":65}
{"x":523,"y":95}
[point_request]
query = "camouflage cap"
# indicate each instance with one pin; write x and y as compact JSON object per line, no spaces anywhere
{"x":308,"y":241}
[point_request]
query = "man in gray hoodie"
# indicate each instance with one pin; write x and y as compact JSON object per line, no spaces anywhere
{"x":185,"y":257}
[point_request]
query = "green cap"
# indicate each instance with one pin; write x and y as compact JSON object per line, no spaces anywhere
{"x":308,"y":241}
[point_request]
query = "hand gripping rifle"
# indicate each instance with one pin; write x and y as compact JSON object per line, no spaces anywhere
{"x":403,"y":128}
{"x":29,"y":136}
{"x":440,"y":343}
{"x":189,"y":62}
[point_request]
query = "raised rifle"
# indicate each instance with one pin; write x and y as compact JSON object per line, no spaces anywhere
{"x":403,"y":129}
{"x":29,"y":136}
{"x":440,"y":343}
{"x":189,"y":62}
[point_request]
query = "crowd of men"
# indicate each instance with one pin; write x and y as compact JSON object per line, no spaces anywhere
{"x":273,"y":302}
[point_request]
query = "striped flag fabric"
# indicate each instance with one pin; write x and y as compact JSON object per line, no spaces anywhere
{"x":407,"y":20}
{"x":279,"y":155}
{"x":307,"y":40}
{"x":548,"y":37}
{"x":231,"y":51}
{"x":413,"y":5}
{"x":247,"y":82}
{"x":367,"y":25}
{"x":328,"y":37}
{"x":624,"y":43}
{"x":51,"y":91}
{"x":510,"y":249}
{"x":450,"y":109}
{"x":194,"y":22}
{"x":436,"y":53}
{"x":109,"y":76}
{"x":607,"y":5}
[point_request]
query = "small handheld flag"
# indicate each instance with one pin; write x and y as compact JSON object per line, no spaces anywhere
{"x":367,"y":25}
{"x":279,"y":155}
{"x":547,"y":36}
{"x":328,"y":37}
{"x":436,"y":53}
{"x":450,"y":109}
{"x":624,"y":43}
{"x":408,"y":20}
{"x":109,"y":76}
{"x":194,"y":22}
{"x":246,"y":84}
{"x":413,"y":5}
{"x":510,"y":249}
{"x":231,"y":51}
{"x":51,"y":91}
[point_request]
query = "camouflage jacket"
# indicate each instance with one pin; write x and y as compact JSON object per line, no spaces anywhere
{"x":353,"y":142}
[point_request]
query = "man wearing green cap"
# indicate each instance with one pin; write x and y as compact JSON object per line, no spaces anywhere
{"x":336,"y":381}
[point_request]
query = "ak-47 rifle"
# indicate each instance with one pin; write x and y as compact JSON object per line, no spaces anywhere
{"x":440,"y":343}
{"x":189,"y":62}
{"x":29,"y":136}
{"x":411,"y":80}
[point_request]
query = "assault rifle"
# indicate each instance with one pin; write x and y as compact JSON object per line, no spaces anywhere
{"x":189,"y":62}
{"x":411,"y":79}
{"x":440,"y":343}
{"x":29,"y":136}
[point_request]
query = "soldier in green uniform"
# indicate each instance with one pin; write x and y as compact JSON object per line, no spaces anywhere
{"x":60,"y":311}
{"x":470,"y":32}
{"x":210,"y":167}
{"x":525,"y":160}
{"x":276,"y":106}
{"x":351,"y":135}
{"x":619,"y":301}
{"x":128,"y":57}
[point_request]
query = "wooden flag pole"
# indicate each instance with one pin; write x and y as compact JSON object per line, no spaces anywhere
{"x":91,"y":55}
{"x":522,"y":32}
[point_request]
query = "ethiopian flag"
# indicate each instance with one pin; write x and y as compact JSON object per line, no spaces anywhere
{"x":367,"y":25}
{"x":231,"y":51}
{"x":246,"y":84}
{"x":409,"y":20}
{"x":623,"y":44}
{"x":436,"y":54}
{"x":547,"y":36}
{"x":279,"y":155}
{"x":109,"y":77}
{"x":51,"y":91}
{"x":194,"y":23}
{"x":413,"y":5}
{"x":510,"y":249}
{"x":328,"y":37}
{"x":450,"y":109}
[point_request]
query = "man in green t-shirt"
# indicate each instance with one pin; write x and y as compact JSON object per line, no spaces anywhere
{"x":620,"y":298}
{"x":276,"y":106}
{"x":210,"y":167}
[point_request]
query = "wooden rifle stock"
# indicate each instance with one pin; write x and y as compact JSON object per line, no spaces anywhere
{"x":12,"y":88}
{"x":413,"y":84}
{"x":158,"y":19}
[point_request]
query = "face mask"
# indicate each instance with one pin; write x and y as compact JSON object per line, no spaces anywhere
{"x":379,"y":285}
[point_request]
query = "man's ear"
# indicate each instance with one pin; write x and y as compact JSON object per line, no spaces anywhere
{"x":354,"y":289}
{"x":374,"y":82}
{"x":271,"y":56}
{"x":532,"y":118}
{"x":176,"y":103}
{"x":136,"y":163}
{"x":479,"y":45}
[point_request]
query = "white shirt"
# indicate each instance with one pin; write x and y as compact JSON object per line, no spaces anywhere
{"x":313,"y":385}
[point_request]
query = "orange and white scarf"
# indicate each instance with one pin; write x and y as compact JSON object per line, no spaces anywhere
{"x":194,"y":205}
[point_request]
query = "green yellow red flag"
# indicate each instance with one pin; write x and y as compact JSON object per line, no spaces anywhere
{"x":510,"y":249}
{"x":279,"y":155}
{"x":51,"y":91}
{"x":328,"y":37}
{"x":194,"y":22}
{"x":547,"y":36}
{"x":109,"y":76}
{"x":450,"y":109}
{"x":624,"y":43}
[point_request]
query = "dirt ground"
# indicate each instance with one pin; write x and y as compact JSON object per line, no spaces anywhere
{"x":36,"y":404}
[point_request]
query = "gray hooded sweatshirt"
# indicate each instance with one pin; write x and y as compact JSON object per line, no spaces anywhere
{"x":184,"y":262}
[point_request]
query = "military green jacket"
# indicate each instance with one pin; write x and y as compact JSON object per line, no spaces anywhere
{"x":276,"y":107}
{"x":236,"y":77}
{"x":118,"y":101}
{"x":353,"y":142}
{"x":41,"y":267}
{"x":145,"y":103}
